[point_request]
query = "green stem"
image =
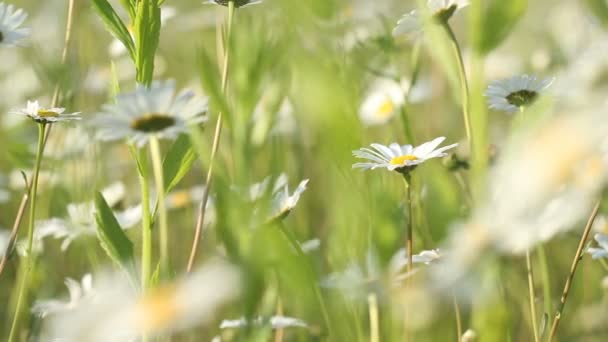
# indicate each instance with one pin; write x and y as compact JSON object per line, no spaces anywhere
{"x":544,"y":274}
{"x":464,"y":85}
{"x":28,"y":263}
{"x":532,"y":296}
{"x":409,"y":248}
{"x":146,"y":227}
{"x":157,"y":166}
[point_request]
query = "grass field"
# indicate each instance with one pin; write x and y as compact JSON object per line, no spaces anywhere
{"x":319,"y":170}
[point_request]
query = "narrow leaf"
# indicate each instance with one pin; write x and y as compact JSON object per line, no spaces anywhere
{"x":112,"y":237}
{"x":499,"y":19}
{"x":114,"y":24}
{"x":178,"y":161}
{"x":147,"y":33}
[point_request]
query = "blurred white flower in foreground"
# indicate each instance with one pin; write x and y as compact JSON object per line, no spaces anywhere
{"x":400,"y":158}
{"x":282,"y":201}
{"x":602,"y":250}
{"x":116,"y":313}
{"x":81,"y":218}
{"x":145,"y":112}
{"x":545,"y":182}
{"x":78,"y":292}
{"x":237,"y":3}
{"x":46,"y":115}
{"x":442,"y":10}
{"x":275,"y":322}
{"x":11,"y":34}
{"x":4,"y":238}
{"x":515,"y":93}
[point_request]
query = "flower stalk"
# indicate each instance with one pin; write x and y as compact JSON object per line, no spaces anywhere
{"x":157,"y":167}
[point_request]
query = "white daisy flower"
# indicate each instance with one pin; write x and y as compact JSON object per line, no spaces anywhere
{"x":117,"y":312}
{"x":275,"y":322}
{"x":78,"y":291}
{"x":398,"y":158}
{"x":511,"y":95}
{"x":602,"y":250}
{"x":11,"y":34}
{"x":46,"y":115}
{"x":411,"y":23}
{"x":382,"y":103}
{"x":237,"y":3}
{"x":156,"y":111}
{"x":282,"y":201}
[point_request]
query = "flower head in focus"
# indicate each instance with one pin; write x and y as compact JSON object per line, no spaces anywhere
{"x":46,"y":115}
{"x":515,"y":93}
{"x":410,"y":23}
{"x":11,"y":34}
{"x":400,"y":158}
{"x":143,"y":113}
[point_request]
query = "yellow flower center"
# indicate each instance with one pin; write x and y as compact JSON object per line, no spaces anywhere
{"x":385,"y":109}
{"x":402,"y":159}
{"x":180,"y":199}
{"x":158,"y":309}
{"x":43,"y":113}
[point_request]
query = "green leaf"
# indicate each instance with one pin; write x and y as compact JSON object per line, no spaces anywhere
{"x":178,"y":161}
{"x":129,"y":5}
{"x":114,"y":86}
{"x":114,"y":24}
{"x":599,"y":9}
{"x":211,"y":83}
{"x":112,"y":237}
{"x":498,"y":20}
{"x":147,"y":33}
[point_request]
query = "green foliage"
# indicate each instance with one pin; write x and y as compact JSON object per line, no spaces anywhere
{"x":111,"y":236}
{"x":599,"y":9}
{"x":498,"y":21}
{"x":147,"y":32}
{"x":114,"y":24}
{"x":178,"y":161}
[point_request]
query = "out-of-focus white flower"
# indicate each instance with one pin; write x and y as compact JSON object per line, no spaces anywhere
{"x":510,"y":95}
{"x":469,"y":336}
{"x":46,"y":115}
{"x":67,"y":142}
{"x":4,"y":238}
{"x":411,"y":23}
{"x":237,"y":3}
{"x":81,"y":218}
{"x":600,"y":225}
{"x":401,"y":158}
{"x":11,"y":34}
{"x":78,"y":292}
{"x":146,"y":112}
{"x":118,"y":313}
{"x":46,"y":179}
{"x":559,"y":166}
{"x":310,"y":245}
{"x":382,"y":103}
{"x":602,"y":251}
{"x":117,"y":48}
{"x":282,"y":201}
{"x":178,"y":199}
{"x":275,"y":322}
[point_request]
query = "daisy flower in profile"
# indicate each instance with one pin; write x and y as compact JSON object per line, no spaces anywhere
{"x":282,"y":201}
{"x":237,"y":3}
{"x":400,"y":158}
{"x":515,"y":93}
{"x":143,"y":113}
{"x":10,"y":20}
{"x":442,"y":10}
{"x":46,"y":115}
{"x":602,"y":250}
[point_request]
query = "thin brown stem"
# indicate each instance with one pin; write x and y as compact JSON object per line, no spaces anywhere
{"x":458,"y":319}
{"x":202,"y":209}
{"x":575,"y":262}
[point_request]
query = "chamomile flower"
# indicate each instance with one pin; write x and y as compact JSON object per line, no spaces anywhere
{"x":602,"y":250}
{"x":383,"y":101}
{"x":11,"y":34}
{"x":78,"y":291}
{"x":400,"y":158}
{"x":237,"y":3}
{"x":512,"y":94}
{"x":143,"y":113}
{"x":46,"y":115}
{"x":411,"y":23}
{"x":282,"y":201}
